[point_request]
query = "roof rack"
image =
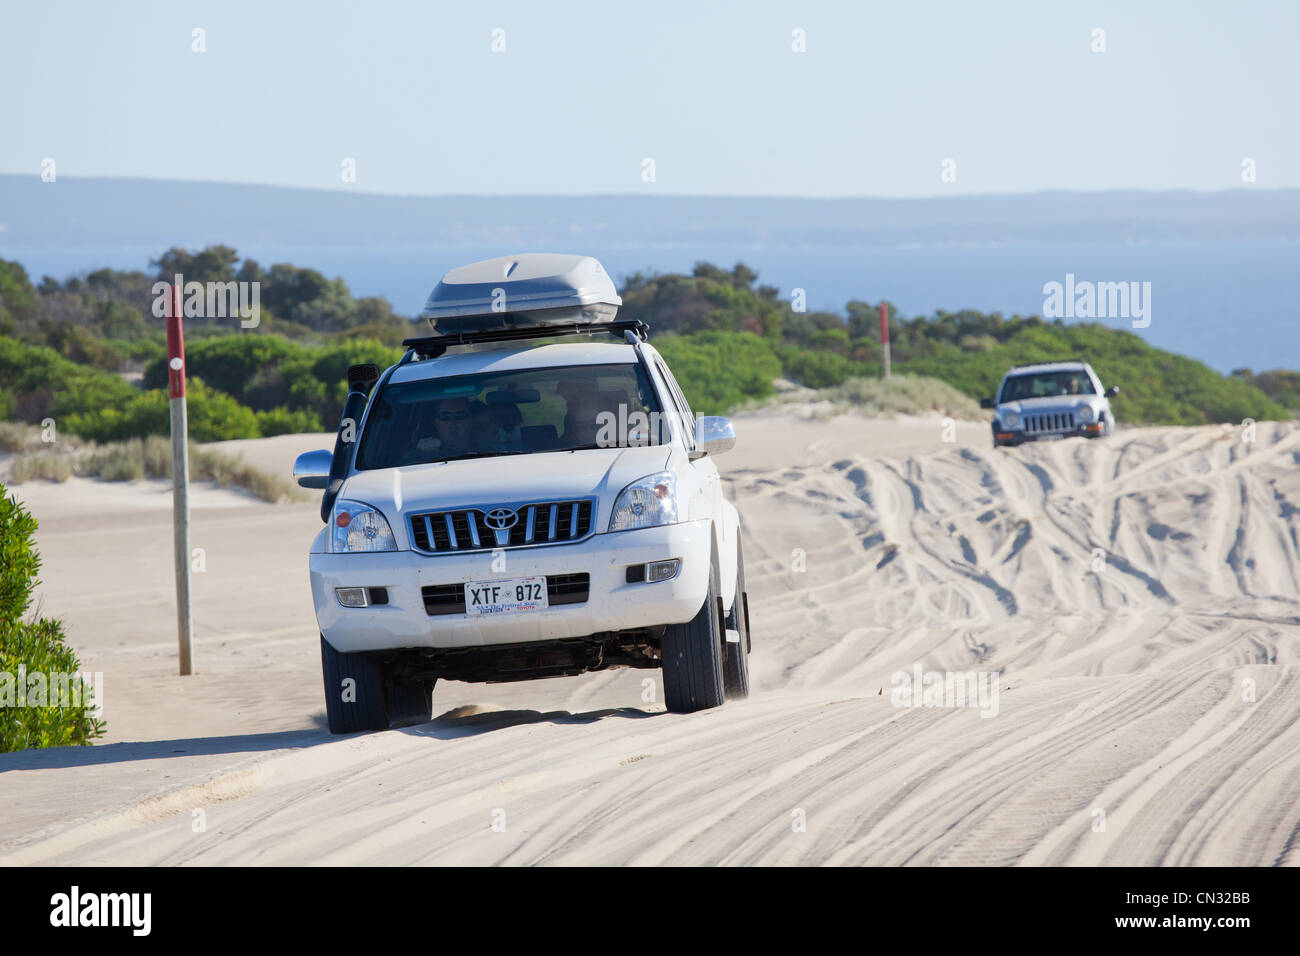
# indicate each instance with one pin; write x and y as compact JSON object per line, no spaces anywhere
{"x":433,"y":346}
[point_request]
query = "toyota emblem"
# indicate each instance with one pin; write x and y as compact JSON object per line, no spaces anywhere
{"x":501,"y":519}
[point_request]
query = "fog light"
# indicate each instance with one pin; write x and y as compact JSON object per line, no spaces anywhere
{"x":663,"y":570}
{"x":351,"y":597}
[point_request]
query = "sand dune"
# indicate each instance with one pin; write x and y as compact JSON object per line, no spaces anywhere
{"x":1133,"y":603}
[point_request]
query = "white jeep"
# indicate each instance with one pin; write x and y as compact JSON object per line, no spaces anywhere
{"x":502,"y":509}
{"x":1051,"y":400}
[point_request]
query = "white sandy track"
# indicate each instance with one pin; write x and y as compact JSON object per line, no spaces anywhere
{"x":1138,"y":599}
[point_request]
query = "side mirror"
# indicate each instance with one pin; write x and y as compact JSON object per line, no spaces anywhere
{"x":986,"y":403}
{"x":1112,"y":391}
{"x":713,"y":434}
{"x":311,"y":469}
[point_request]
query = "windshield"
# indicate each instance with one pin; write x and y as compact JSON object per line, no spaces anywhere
{"x":511,"y":413}
{"x":1046,"y":385}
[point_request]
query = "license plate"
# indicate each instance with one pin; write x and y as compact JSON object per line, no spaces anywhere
{"x":506,"y":595}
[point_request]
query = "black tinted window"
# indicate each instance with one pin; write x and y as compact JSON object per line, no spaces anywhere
{"x":1047,"y":384}
{"x":510,"y":413}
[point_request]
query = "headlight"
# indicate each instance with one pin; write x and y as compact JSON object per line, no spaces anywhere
{"x":359,"y":527}
{"x":646,"y":503}
{"x":1010,"y":419}
{"x":1085,"y":413}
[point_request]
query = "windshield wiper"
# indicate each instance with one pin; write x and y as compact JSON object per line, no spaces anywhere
{"x":477,"y":454}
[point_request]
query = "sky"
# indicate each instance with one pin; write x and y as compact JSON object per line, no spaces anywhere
{"x":886,"y":99}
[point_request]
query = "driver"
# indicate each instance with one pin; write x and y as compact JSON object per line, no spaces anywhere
{"x":451,"y":426}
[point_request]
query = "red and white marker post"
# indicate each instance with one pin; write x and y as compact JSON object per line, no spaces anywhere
{"x":884,"y":336}
{"x":180,"y":480}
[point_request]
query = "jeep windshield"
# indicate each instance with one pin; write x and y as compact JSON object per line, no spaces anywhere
{"x":565,"y":408}
{"x":1046,"y":385}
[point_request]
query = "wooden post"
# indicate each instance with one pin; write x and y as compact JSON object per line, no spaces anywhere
{"x":884,"y":335}
{"x":180,"y":481}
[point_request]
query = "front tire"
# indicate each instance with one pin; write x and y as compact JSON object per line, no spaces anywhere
{"x":359,"y":697}
{"x":692,"y":656}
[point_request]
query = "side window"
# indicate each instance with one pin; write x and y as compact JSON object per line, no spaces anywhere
{"x":679,"y":402}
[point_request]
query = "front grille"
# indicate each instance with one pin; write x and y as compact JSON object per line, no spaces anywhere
{"x":1049,"y":422}
{"x":560,"y":589}
{"x":467,"y":529}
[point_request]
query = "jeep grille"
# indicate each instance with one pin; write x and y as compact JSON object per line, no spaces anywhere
{"x":1049,"y":422}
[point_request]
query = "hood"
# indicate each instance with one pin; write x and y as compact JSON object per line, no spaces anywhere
{"x":504,"y":480}
{"x":1050,"y":403}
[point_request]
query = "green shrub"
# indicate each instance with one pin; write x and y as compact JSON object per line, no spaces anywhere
{"x":64,"y":717}
{"x":817,"y":369}
{"x":19,"y":561}
{"x":212,"y":416}
{"x":718,"y":370}
{"x":1281,"y":385}
{"x":37,"y":383}
{"x":282,"y":421}
{"x":231,"y":363}
{"x":31,"y":648}
{"x":274,"y":375}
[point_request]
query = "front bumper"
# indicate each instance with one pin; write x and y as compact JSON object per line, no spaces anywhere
{"x":612,"y":604}
{"x":1012,"y":436}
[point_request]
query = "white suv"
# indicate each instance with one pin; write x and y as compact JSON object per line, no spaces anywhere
{"x":501,"y":510}
{"x":1051,"y":400}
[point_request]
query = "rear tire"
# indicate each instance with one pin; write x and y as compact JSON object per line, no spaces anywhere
{"x":692,"y":656}
{"x":358,"y":696}
{"x":735,"y":668}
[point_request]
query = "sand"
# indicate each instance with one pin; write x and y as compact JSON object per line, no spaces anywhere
{"x":1135,"y":602}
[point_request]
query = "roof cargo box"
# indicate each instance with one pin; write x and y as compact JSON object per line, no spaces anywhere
{"x":523,"y":291}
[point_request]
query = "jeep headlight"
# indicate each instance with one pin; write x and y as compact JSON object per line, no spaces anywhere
{"x":1085,"y":413}
{"x":359,"y":527}
{"x":1010,"y":419}
{"x":646,"y":503}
